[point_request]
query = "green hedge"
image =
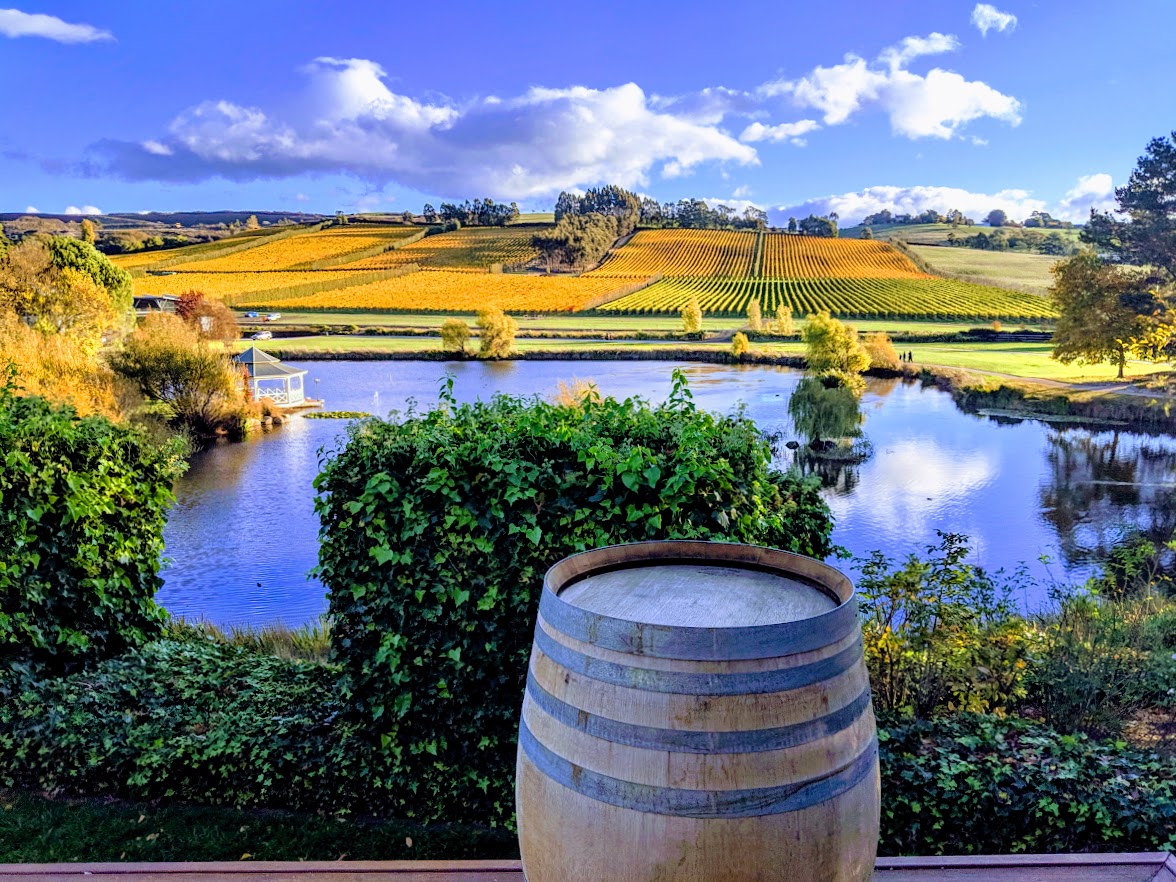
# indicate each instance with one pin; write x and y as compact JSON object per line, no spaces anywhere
{"x":201,"y":722}
{"x":993,"y":785}
{"x":436,"y":531}
{"x":82,"y":508}
{"x":189,"y":719}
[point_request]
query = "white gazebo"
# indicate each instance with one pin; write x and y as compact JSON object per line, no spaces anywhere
{"x":269,"y":378}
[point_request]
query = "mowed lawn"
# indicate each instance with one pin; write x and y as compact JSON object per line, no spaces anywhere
{"x":1004,"y":269}
{"x":1020,"y":360}
{"x":1025,"y":360}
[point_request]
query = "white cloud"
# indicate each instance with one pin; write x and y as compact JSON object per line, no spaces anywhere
{"x":85,"y":209}
{"x":987,"y":17}
{"x":14,"y":23}
{"x":709,"y":106}
{"x":1091,"y":191}
{"x":1095,"y":191}
{"x":852,"y":207}
{"x":896,"y":57}
{"x":741,"y":192}
{"x":531,"y":145}
{"x":793,"y":133}
{"x":837,"y":91}
{"x":32,"y":209}
{"x":935,"y":105}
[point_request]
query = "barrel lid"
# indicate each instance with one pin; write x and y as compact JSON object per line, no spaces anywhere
{"x":696,"y":594}
{"x":698,"y":600}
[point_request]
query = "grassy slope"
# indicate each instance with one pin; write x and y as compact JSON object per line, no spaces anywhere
{"x":936,"y":234}
{"x":1004,"y":269}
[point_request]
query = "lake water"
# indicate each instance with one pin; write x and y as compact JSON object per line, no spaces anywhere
{"x":242,"y":536}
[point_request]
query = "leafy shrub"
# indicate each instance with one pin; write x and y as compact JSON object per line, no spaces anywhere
{"x":1102,"y":660}
{"x":982,"y":784}
{"x":941,"y":634}
{"x":1137,"y":566}
{"x":739,"y":345}
{"x":193,"y":719}
{"x":497,"y":331}
{"x":437,"y":529}
{"x":82,"y":507}
{"x":197,"y":385}
{"x":454,"y":334}
{"x":881,"y":351}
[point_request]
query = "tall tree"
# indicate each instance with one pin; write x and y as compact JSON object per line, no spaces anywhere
{"x":996,"y":218}
{"x":815,"y":225}
{"x":1148,"y":237}
{"x":497,"y":333}
{"x":755,"y":318}
{"x":782,"y":327}
{"x":692,"y":316}
{"x":69,"y":253}
{"x":89,"y":231}
{"x":1107,"y":313}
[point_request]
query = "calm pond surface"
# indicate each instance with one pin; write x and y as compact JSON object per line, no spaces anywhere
{"x":242,"y":536}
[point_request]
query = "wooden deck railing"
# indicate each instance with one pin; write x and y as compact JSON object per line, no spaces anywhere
{"x":1014,"y":868}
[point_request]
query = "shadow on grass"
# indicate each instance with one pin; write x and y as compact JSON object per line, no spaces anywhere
{"x":37,"y":829}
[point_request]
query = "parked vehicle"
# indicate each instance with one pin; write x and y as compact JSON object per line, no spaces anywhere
{"x":250,"y":315}
{"x":262,"y":335}
{"x":273,"y":316}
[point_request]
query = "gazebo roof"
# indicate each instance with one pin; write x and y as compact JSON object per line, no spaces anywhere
{"x":262,"y":365}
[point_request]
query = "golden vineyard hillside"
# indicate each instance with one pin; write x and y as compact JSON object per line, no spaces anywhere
{"x":400,"y":268}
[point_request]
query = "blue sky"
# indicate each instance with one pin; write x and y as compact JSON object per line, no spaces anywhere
{"x":382,"y":106}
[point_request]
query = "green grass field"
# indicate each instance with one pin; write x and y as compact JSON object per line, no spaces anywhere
{"x":596,"y":323}
{"x":1023,"y":360}
{"x":1004,"y":269}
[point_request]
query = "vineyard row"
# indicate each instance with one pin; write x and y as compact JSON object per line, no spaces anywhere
{"x":888,"y":298}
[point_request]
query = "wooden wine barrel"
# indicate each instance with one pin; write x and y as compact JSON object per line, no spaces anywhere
{"x":697,"y":711}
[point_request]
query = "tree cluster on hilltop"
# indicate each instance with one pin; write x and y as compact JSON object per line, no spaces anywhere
{"x":608,"y":201}
{"x":886,"y":218}
{"x":696,"y":214}
{"x":586,"y":226}
{"x":995,"y":218}
{"x":479,"y":213}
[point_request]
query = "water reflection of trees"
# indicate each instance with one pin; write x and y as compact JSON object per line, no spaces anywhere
{"x":1101,"y":487}
{"x":828,"y":421}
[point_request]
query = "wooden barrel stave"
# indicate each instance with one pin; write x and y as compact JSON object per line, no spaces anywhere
{"x":836,"y":839}
{"x":666,"y":710}
{"x":646,"y":753}
{"x":726,"y":771}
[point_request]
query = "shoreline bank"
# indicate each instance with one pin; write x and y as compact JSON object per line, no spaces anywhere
{"x":974,"y":392}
